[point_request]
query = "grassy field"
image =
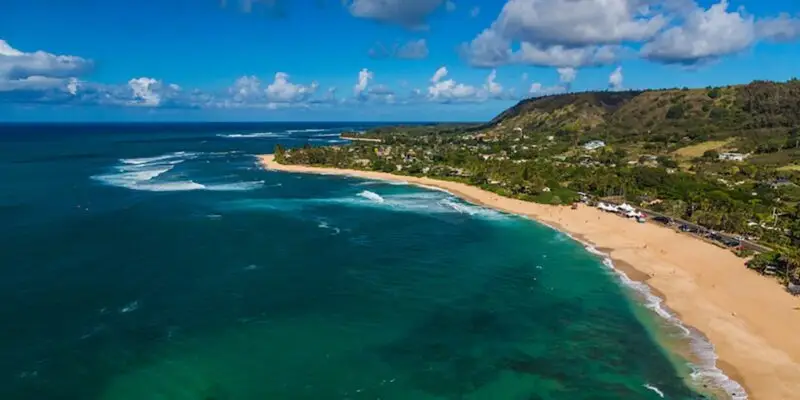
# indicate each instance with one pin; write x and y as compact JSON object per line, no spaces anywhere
{"x":697,"y":150}
{"x":792,"y":167}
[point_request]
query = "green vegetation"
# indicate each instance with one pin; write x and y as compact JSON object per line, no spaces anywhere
{"x":725,"y":158}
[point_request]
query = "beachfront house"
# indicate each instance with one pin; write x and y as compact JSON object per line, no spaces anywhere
{"x":594,"y":145}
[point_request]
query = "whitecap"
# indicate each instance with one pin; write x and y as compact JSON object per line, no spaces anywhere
{"x":235,"y":187}
{"x":706,"y":371}
{"x":372,"y":196}
{"x":250,"y":135}
{"x":655,"y":389}
{"x":130,"y":307}
{"x":150,"y":160}
{"x":306,"y":130}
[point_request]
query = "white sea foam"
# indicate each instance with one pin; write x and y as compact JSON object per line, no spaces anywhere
{"x":306,"y":130}
{"x":235,"y":187}
{"x":250,"y":135}
{"x":372,"y":196}
{"x":462,"y":208}
{"x":130,"y":307}
{"x":655,"y":389}
{"x":704,"y":372}
{"x":151,"y":174}
{"x":151,"y":160}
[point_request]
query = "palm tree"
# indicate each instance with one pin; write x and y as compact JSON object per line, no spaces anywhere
{"x":791,"y":260}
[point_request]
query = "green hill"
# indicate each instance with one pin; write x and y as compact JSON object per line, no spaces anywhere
{"x":762,"y":116}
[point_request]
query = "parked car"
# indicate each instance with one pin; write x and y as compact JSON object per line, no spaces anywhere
{"x":731,"y":242}
{"x":687,"y":228}
{"x":663,"y":220}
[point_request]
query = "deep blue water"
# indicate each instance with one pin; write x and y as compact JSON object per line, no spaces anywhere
{"x":160,"y":262}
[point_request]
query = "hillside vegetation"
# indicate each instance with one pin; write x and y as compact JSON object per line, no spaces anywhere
{"x":753,"y":113}
{"x":725,"y":158}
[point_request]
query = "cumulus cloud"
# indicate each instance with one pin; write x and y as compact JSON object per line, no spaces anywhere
{"x":781,"y":28}
{"x":567,"y":75}
{"x":537,"y":89}
{"x":407,"y":13}
{"x":615,"y":79}
{"x":704,"y":36}
{"x":38,"y":70}
{"x":493,"y":89}
{"x":364,"y":77}
{"x":562,"y":56}
{"x":145,"y":91}
{"x":447,"y":91}
{"x":578,"y":22}
{"x":283,"y":91}
{"x":578,"y":33}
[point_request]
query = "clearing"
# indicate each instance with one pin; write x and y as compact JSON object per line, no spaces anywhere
{"x":697,"y":150}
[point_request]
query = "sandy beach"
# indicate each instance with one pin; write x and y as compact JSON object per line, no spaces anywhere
{"x":752,"y":322}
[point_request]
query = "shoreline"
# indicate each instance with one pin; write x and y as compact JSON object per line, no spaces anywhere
{"x":749,"y":323}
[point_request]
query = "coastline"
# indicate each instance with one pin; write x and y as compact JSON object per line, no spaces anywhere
{"x":752,"y":323}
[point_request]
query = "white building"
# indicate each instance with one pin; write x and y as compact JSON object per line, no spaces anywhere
{"x":594,"y":145}
{"x":732,"y":156}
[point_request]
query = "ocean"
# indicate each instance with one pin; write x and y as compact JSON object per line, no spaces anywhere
{"x":147,"y":261}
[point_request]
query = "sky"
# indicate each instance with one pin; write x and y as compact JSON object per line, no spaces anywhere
{"x":370,"y":60}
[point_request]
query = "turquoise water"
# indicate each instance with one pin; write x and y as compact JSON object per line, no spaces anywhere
{"x":159,"y":262}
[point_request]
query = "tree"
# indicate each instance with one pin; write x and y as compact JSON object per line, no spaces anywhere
{"x":711,"y":155}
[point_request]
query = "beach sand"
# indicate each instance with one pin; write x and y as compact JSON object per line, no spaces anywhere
{"x":752,"y":322}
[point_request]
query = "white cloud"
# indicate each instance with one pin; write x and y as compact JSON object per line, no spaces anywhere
{"x":474,"y":12}
{"x":537,"y":89}
{"x":615,"y":79}
{"x":578,"y":22}
{"x":781,"y":28}
{"x":39,"y":71}
{"x":704,"y":36}
{"x":439,"y":74}
{"x":567,"y":75}
{"x":15,"y":64}
{"x":72,"y":86}
{"x":578,"y":33}
{"x":488,"y":49}
{"x":283,"y":91}
{"x":408,"y":13}
{"x":145,"y":92}
{"x":364,"y":77}
{"x":493,"y":89}
{"x":246,"y":89}
{"x":446,"y":91}
{"x":562,"y":56}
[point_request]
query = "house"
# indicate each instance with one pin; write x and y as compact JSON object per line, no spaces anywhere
{"x":594,"y":145}
{"x":781,"y":182}
{"x":732,"y":156}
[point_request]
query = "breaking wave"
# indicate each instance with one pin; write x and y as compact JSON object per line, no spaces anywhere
{"x":372,"y":196}
{"x":704,"y":372}
{"x":416,"y":202}
{"x":250,"y":135}
{"x":152,"y":174}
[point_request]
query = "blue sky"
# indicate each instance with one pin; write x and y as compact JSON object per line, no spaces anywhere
{"x":372,"y":60}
